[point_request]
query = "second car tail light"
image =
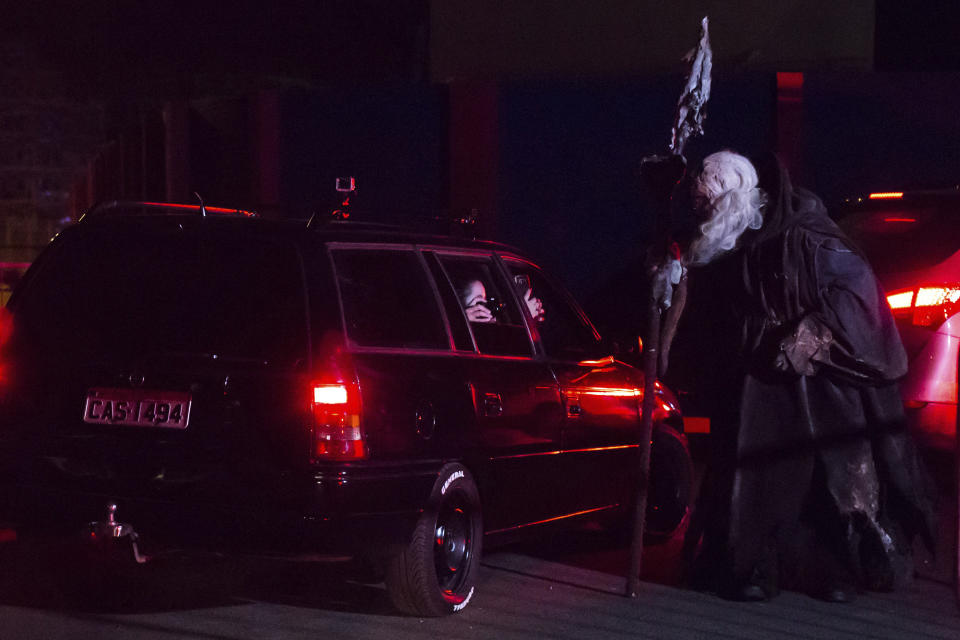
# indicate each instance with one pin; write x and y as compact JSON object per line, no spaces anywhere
{"x":926,"y":306}
{"x":336,"y":422}
{"x":6,"y":331}
{"x":900,"y":300}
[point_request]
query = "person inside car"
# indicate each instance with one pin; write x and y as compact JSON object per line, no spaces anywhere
{"x":474,"y":299}
{"x":534,"y":306}
{"x":478,"y":307}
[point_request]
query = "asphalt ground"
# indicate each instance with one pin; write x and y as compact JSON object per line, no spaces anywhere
{"x":568,"y":584}
{"x":519,"y":596}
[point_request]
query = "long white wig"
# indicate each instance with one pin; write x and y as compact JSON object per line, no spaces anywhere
{"x":727,"y":187}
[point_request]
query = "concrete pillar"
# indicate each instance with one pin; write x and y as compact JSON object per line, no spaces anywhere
{"x":790,"y":125}
{"x":176,"y":122}
{"x":475,"y":152}
{"x":267,"y":144}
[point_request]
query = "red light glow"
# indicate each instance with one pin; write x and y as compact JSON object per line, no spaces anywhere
{"x":886,"y":195}
{"x":930,"y":306}
{"x":608,"y":392}
{"x":340,"y":450}
{"x":900,"y":300}
{"x":557,"y":452}
{"x":937,"y":296}
{"x":330,"y":394}
{"x":563,"y":517}
{"x":336,"y":422}
{"x":6,"y":325}
{"x":196,"y":207}
{"x":790,"y":80}
{"x":899,"y":219}
{"x":602,"y":362}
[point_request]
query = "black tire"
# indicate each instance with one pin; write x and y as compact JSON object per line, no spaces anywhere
{"x":435,"y":574}
{"x":671,"y":486}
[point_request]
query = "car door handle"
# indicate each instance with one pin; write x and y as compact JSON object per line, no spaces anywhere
{"x":572,"y":401}
{"x":492,"y":405}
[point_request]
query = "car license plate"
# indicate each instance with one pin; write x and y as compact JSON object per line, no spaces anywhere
{"x":138,"y":408}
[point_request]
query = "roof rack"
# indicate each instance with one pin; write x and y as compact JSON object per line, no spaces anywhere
{"x":345,"y":188}
{"x":318,"y":219}
{"x":132,"y":207}
{"x":458,"y":225}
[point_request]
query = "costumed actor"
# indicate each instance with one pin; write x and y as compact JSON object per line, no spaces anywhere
{"x":814,"y":483}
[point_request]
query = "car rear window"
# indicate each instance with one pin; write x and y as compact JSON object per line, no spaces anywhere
{"x":156,"y":288}
{"x":905,"y":238}
{"x":388,"y":300}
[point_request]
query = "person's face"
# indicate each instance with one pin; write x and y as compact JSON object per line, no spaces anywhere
{"x":475,"y":293}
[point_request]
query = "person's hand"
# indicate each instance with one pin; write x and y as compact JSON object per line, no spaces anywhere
{"x":534,"y":306}
{"x":478,"y":312}
{"x":803,"y":350}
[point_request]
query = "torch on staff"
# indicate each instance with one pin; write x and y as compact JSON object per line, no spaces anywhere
{"x":661,"y":173}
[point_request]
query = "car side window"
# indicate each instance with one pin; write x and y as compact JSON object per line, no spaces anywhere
{"x":488,"y":305}
{"x":462,"y":338}
{"x":564,"y":332}
{"x":388,"y":300}
{"x":254,"y":299}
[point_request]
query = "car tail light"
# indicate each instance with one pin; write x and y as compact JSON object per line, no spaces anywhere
{"x":6,"y":331}
{"x":336,"y":422}
{"x":926,"y":306}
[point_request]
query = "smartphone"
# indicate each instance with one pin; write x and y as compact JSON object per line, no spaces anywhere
{"x":522,"y":282}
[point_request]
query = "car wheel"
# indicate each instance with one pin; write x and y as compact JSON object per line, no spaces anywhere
{"x":671,"y":485}
{"x":436,"y":572}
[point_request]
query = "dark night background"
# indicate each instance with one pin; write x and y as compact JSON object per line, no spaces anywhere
{"x":261,"y":106}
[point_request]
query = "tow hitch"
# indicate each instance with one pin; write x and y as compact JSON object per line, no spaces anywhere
{"x":110,"y":531}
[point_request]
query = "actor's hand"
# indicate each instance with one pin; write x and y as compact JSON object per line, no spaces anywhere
{"x":662,"y":172}
{"x":801,"y":350}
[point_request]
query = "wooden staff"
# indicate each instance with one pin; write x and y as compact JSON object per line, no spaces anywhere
{"x":661,"y":174}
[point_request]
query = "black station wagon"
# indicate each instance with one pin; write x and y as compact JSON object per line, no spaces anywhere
{"x":189,"y":377}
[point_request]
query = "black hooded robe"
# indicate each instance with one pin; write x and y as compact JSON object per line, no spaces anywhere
{"x":813,"y":479}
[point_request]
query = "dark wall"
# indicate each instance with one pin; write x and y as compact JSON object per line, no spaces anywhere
{"x":568,"y":186}
{"x":881,"y":132}
{"x":570,"y":153}
{"x":917,"y":37}
{"x":221,"y":154}
{"x":626,"y":38}
{"x":393,"y":141}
